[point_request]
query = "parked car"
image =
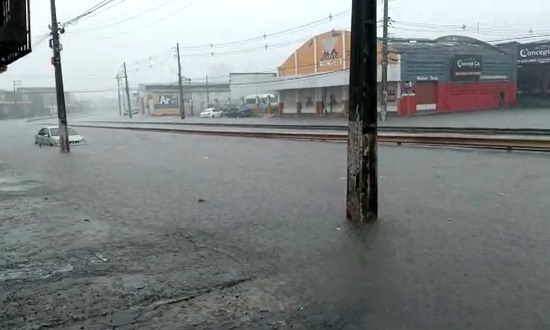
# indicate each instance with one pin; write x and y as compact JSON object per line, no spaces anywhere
{"x":211,"y":113}
{"x":49,"y":136}
{"x":134,"y":112}
{"x":236,"y":112}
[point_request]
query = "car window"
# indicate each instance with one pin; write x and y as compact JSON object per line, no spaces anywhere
{"x":42,"y":132}
{"x":54,"y":132}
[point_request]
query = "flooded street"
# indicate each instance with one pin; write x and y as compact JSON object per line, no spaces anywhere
{"x":161,"y":231}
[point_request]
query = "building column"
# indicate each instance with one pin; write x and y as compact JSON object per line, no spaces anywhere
{"x":298,"y":102}
{"x":318,"y":101}
{"x":345,"y":100}
{"x":281,"y":109}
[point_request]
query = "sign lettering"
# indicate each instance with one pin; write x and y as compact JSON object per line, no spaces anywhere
{"x":535,"y":53}
{"x":466,"y":66}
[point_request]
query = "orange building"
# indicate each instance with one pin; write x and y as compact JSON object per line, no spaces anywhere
{"x":326,"y":52}
{"x":315,"y":78}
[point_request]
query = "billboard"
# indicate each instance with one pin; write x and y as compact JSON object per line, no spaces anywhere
{"x":167,"y":101}
{"x":534,"y":53}
{"x":15,"y":40}
{"x":466,"y":66}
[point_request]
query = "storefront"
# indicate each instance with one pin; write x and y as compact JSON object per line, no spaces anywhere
{"x":457,"y":74}
{"x":534,"y":68}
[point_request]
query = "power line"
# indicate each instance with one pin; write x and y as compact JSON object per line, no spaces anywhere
{"x":159,"y":6}
{"x":88,"y":12}
{"x":465,"y":27}
{"x":329,"y":18}
{"x":259,"y":48}
{"x":151,"y":24}
{"x":488,"y":43}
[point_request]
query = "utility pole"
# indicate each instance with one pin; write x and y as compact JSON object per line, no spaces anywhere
{"x":15,"y":105}
{"x":128,"y":92}
{"x":384,"y":87}
{"x":207,"y":93}
{"x":59,"y":89}
{"x":118,"y":94}
{"x":180,"y":83}
{"x":362,"y":177}
{"x":191,"y":98}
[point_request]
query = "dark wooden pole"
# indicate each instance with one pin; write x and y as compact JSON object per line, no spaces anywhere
{"x":362,"y":190}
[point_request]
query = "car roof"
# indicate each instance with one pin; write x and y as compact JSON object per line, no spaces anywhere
{"x":53,"y":127}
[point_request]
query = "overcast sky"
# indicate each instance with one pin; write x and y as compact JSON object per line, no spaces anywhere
{"x":144,"y":33}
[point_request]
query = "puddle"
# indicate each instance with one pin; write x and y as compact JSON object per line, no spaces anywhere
{"x":33,"y":271}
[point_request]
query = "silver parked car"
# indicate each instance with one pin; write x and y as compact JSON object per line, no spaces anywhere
{"x":50,"y":136}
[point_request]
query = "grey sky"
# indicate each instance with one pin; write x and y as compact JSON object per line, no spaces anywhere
{"x":95,"y":48}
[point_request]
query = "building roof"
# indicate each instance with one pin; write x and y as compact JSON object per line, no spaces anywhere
{"x":38,"y":89}
{"x":252,"y":73}
{"x":450,"y":44}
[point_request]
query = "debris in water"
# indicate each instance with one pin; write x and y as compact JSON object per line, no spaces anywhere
{"x":86,"y":220}
{"x":101,"y":257}
{"x":33,"y":271}
{"x":201,"y":200}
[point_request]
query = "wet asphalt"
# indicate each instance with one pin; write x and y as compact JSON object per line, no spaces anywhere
{"x":142,"y":230}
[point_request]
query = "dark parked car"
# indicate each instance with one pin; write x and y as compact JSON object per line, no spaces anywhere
{"x":235,"y":112}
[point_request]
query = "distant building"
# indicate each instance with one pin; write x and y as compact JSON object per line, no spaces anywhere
{"x":451,"y":73}
{"x":456,"y":73}
{"x":314,"y":79}
{"x":43,"y":100}
{"x":10,"y":108}
{"x":249,"y":83}
{"x":163,"y":99}
{"x":26,"y":102}
{"x":533,"y":66}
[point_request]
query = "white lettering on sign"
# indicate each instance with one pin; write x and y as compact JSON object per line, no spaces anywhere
{"x":534,"y":53}
{"x":427,"y":78}
{"x":167,"y":100}
{"x":468,"y":63}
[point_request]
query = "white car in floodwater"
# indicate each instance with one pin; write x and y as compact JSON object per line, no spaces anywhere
{"x":49,"y":136}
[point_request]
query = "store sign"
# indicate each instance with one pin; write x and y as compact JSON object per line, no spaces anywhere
{"x":466,"y":66}
{"x":537,"y":53}
{"x":167,"y":102}
{"x":330,"y":55}
{"x":427,"y":78}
